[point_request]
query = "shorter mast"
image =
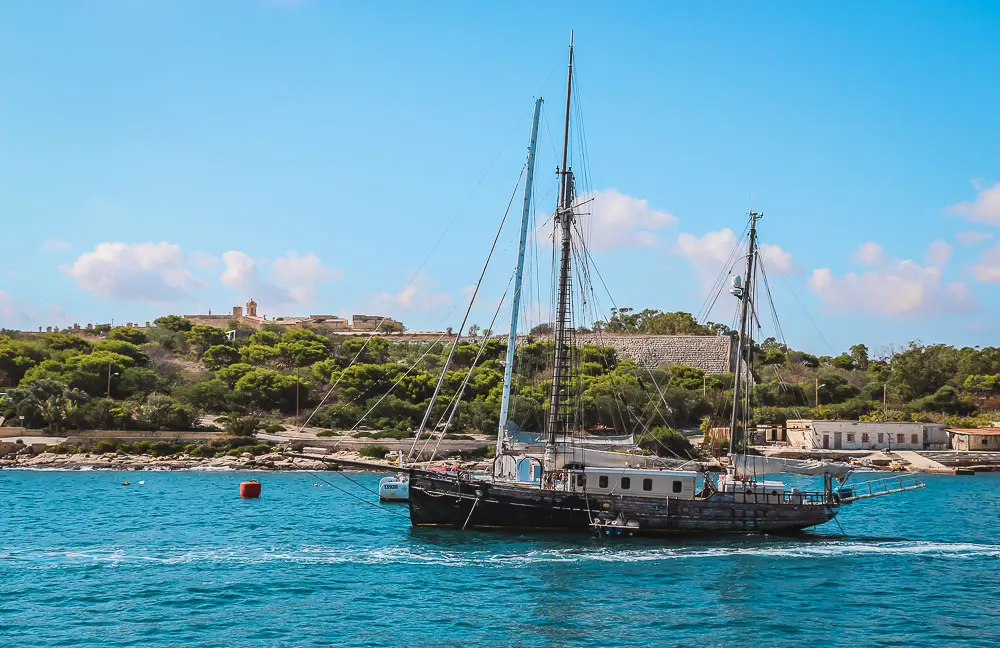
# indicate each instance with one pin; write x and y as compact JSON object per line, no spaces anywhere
{"x":518,"y":274}
{"x":741,"y":345}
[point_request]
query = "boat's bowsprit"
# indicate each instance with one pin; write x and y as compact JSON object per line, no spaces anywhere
{"x":879,"y":488}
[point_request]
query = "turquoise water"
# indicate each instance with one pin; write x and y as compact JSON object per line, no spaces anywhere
{"x":182,"y":561}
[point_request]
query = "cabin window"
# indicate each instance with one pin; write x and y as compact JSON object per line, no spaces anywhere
{"x":881,"y":437}
{"x":984,"y":441}
{"x":603,"y":481}
{"x":850,"y":437}
{"x":626,"y":483}
{"x":581,"y":480}
{"x":647,"y":483}
{"x":865,"y":437}
{"x":899,"y":438}
{"x":913,"y":438}
{"x":678,"y":486}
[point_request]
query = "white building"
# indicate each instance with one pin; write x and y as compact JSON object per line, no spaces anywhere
{"x":975,"y":438}
{"x":866,"y":435}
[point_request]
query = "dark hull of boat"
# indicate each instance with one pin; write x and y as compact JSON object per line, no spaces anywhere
{"x":447,"y":501}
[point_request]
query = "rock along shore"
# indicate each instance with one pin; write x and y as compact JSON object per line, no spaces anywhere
{"x":246,"y":461}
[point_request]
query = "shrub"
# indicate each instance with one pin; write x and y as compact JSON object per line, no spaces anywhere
{"x":260,"y":449}
{"x":326,"y":433}
{"x":391,"y":434}
{"x":373,"y":451}
{"x":664,"y":442}
{"x":103,"y":447}
{"x":241,"y":426}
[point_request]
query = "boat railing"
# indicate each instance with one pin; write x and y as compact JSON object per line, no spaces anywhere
{"x":880,"y":487}
{"x":784,"y":497}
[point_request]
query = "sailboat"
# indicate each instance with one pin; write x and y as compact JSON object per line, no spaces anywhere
{"x":575,"y":488}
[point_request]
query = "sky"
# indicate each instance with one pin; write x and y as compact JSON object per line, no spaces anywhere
{"x":176,"y":156}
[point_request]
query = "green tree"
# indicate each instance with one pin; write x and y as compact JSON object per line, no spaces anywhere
{"x":220,"y":355}
{"x":268,"y":390}
{"x":921,"y":370}
{"x":201,"y":337}
{"x":859,"y":355}
{"x":174,"y":323}
{"x":128,"y":334}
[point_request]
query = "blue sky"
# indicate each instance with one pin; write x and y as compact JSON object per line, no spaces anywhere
{"x":329,"y":157}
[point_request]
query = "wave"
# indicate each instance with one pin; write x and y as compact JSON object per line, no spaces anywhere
{"x":481,"y":558}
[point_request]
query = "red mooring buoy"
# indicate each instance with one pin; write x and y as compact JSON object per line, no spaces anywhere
{"x":250,"y":489}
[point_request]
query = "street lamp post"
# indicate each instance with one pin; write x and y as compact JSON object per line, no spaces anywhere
{"x":109,"y":379}
{"x":817,"y":390}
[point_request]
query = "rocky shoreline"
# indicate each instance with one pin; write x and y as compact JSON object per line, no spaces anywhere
{"x":114,"y":461}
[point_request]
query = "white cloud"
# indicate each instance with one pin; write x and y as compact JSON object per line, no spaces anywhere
{"x":710,"y":252}
{"x":938,"y":254}
{"x":300,"y":274}
{"x":203,"y":260}
{"x":987,"y":270}
{"x":55,"y":245}
{"x":984,"y":209}
{"x":971,"y":238}
{"x":895,"y":288}
{"x":419,"y":294}
{"x":293,"y":281}
{"x":869,"y":254}
{"x":613,"y":220}
{"x":12,"y":311}
{"x":144,"y":272}
{"x":776,"y":260}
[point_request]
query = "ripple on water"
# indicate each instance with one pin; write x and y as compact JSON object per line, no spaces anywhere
{"x":184,"y":562}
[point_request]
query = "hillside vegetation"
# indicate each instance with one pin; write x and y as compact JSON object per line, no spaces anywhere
{"x":170,"y":375}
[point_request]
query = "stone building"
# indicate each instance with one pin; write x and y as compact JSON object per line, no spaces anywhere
{"x":865,"y":435}
{"x":250,"y":319}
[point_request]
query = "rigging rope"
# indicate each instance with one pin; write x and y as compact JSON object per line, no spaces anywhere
{"x":472,"y":301}
{"x":357,"y":497}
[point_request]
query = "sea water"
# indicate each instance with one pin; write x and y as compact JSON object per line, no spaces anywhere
{"x":181,"y":560}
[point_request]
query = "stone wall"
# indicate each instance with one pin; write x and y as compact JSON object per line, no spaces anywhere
{"x":713,"y":354}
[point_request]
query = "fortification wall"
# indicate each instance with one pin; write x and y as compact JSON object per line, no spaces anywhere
{"x":713,"y":354}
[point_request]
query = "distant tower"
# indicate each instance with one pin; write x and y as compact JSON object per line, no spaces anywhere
{"x":251,"y":308}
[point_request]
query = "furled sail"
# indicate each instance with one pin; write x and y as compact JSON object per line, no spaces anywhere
{"x":752,"y":465}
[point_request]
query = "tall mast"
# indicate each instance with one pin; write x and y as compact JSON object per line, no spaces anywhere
{"x":563,"y":220}
{"x":518,"y":273}
{"x":741,"y":342}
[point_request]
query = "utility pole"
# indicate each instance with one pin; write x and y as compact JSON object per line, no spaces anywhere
{"x":817,"y":391}
{"x":109,"y":380}
{"x":885,"y":408}
{"x":296,"y":396}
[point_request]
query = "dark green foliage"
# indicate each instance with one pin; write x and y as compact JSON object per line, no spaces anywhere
{"x":202,"y":337}
{"x":373,"y":451}
{"x":945,"y":400}
{"x":664,"y":442}
{"x":167,"y":376}
{"x":174,"y":323}
{"x":128,"y":334}
{"x":240,"y":426}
